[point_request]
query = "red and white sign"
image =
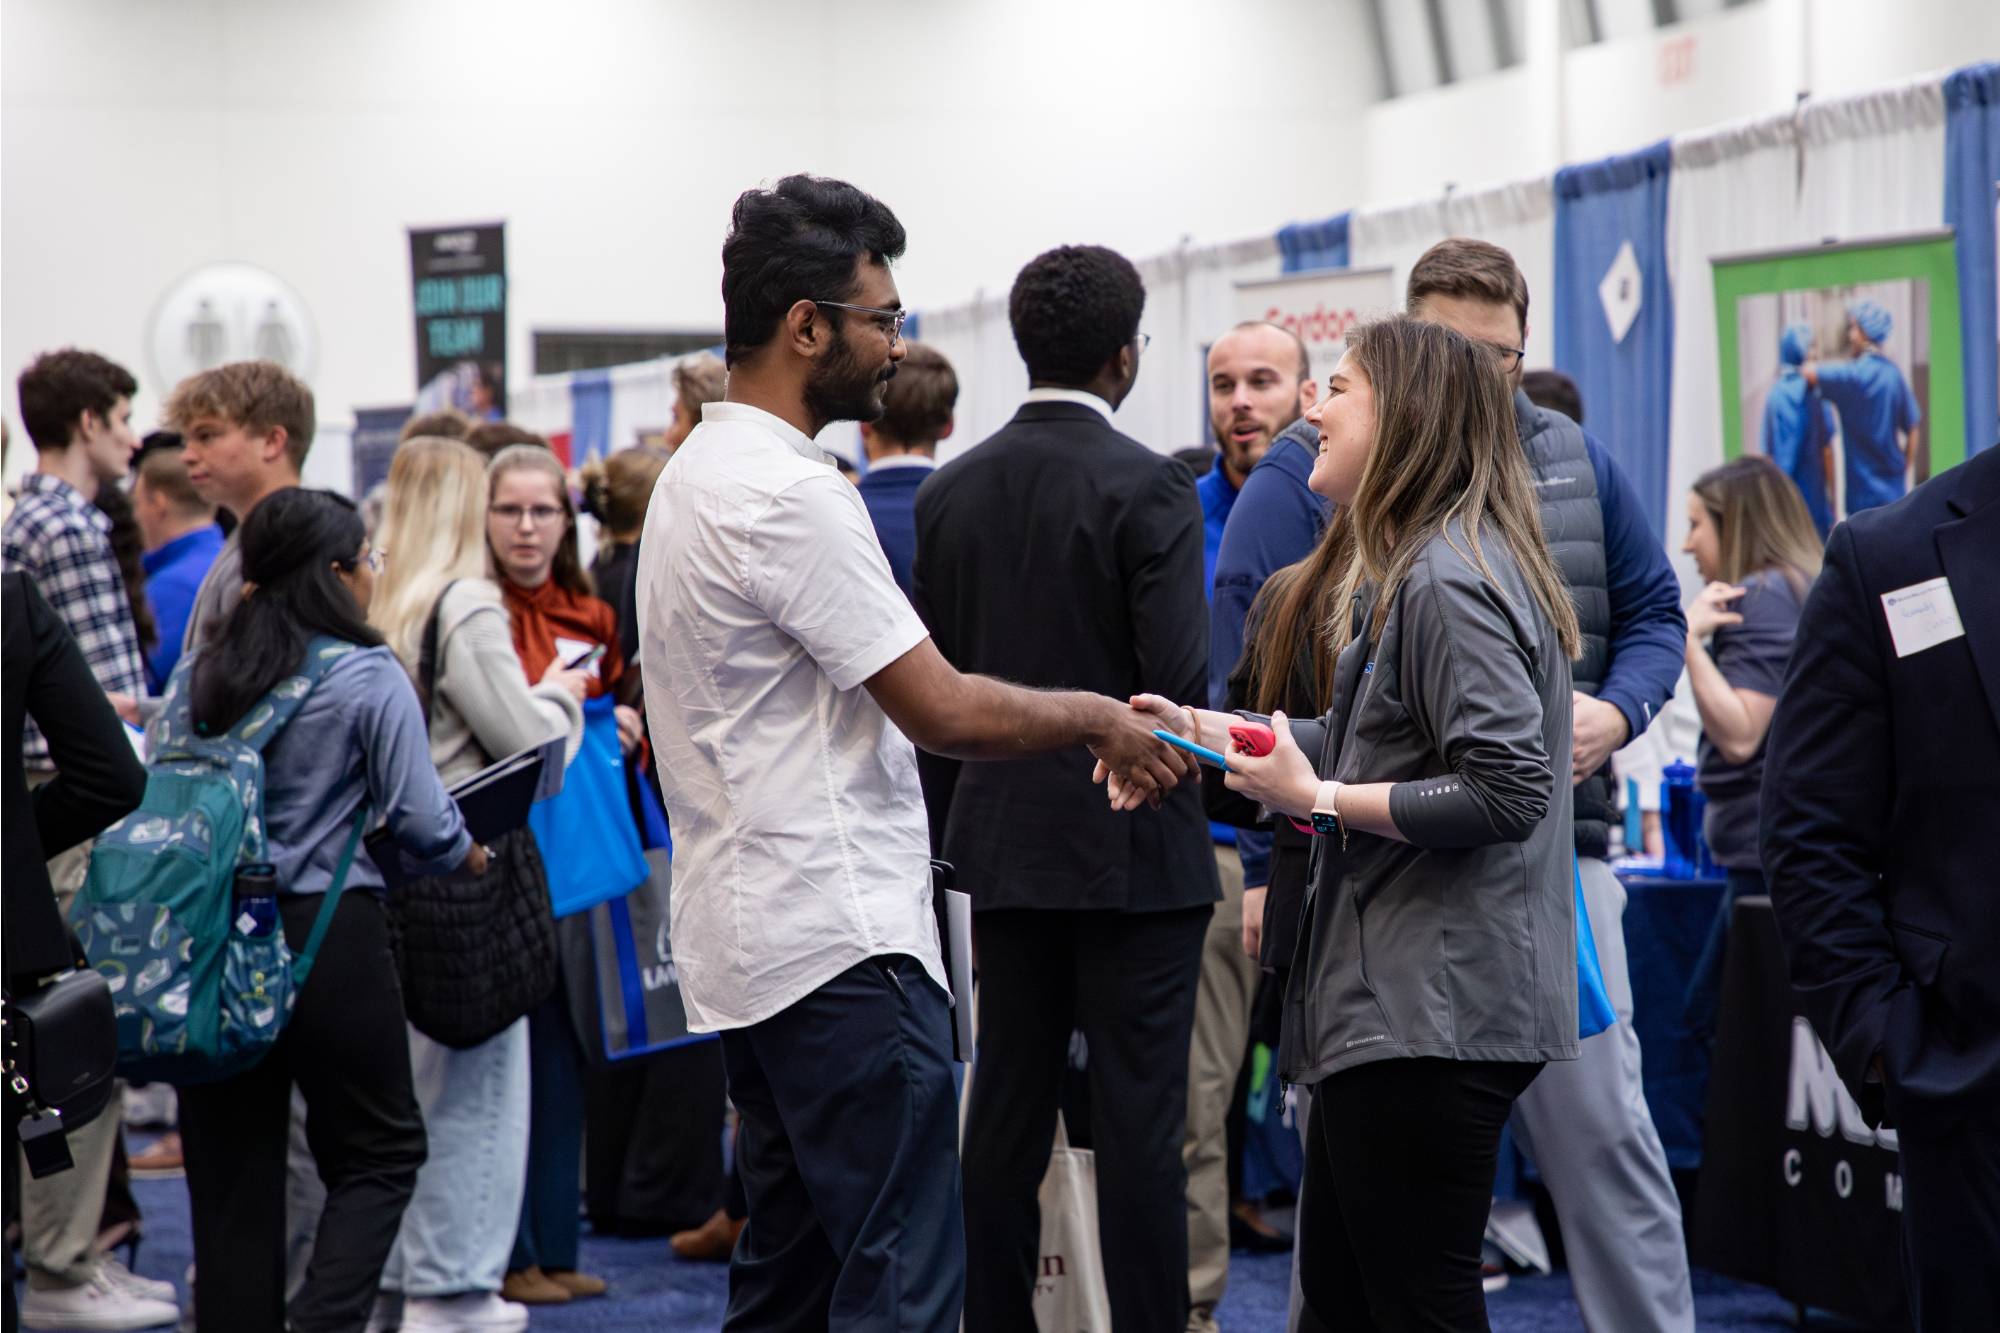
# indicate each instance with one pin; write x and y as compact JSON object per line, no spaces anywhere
{"x":1320,"y":307}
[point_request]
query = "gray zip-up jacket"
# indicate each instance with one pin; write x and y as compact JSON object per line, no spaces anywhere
{"x":1460,"y":943}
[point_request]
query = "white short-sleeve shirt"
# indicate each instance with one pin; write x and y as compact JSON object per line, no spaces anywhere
{"x":800,"y":842}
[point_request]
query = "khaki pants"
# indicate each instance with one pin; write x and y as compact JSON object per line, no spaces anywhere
{"x":60,"y":1213}
{"x":1221,"y":1033}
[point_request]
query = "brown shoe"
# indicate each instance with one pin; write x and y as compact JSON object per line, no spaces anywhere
{"x":162,"y":1161}
{"x":711,"y":1242}
{"x":531,"y":1286}
{"x":577,"y":1284}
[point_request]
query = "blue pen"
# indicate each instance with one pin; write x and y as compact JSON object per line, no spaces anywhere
{"x":1201,"y":752}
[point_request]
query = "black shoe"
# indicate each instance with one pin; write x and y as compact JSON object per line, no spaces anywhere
{"x":1249,"y":1231}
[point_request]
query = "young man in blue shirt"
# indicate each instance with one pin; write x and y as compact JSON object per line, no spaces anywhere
{"x":182,"y":541}
{"x":902,"y":450}
{"x":1259,"y":381}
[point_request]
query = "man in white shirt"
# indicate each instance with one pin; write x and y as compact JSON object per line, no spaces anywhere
{"x":785,"y":670}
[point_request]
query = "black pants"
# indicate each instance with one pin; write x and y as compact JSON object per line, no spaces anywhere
{"x":348,"y":1049}
{"x":847,"y":1152}
{"x":1127,"y":979}
{"x":1950,"y":1155}
{"x":1398,"y":1179}
{"x":653,"y":1142}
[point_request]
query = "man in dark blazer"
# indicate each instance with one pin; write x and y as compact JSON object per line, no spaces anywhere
{"x":1880,"y":806}
{"x":1060,"y":552}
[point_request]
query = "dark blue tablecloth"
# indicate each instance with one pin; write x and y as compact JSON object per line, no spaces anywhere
{"x":1666,"y":923}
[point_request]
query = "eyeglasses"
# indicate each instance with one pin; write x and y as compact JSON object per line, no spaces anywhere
{"x":1141,"y":341}
{"x":889,"y":321}
{"x":1510,"y":357}
{"x":539,"y":515}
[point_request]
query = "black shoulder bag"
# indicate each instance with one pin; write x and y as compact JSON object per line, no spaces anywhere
{"x":474,"y":952}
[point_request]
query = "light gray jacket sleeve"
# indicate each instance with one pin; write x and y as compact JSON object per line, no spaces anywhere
{"x":482,"y":676}
{"x":1468,"y":682}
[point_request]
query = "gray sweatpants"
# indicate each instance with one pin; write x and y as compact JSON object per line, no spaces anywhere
{"x":1586,"y":1124}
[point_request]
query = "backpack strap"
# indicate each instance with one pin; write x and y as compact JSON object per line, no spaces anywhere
{"x":268,"y":716}
{"x":302,"y":961}
{"x":428,"y":654}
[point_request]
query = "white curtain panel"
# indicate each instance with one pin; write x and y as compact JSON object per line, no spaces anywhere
{"x":1519,"y":216}
{"x":1874,"y":162}
{"x":1733,"y":189}
{"x":1190,"y":301}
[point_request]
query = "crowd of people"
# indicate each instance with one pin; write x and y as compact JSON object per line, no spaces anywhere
{"x":1415,"y":609}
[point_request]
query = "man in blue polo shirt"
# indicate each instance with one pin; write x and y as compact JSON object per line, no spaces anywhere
{"x":1875,"y":405}
{"x":1259,"y":381}
{"x":182,"y":541}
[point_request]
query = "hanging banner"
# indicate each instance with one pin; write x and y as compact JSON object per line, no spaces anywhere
{"x":459,"y":278}
{"x":377,"y":431}
{"x":1320,"y":307}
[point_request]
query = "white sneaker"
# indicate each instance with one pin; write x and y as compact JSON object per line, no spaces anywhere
{"x":121,"y":1276}
{"x":480,"y":1311}
{"x":98,"y":1304}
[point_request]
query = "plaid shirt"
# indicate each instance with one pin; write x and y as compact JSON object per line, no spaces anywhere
{"x":62,"y":541}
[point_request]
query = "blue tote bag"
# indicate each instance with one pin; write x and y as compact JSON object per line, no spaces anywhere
{"x":589,"y":841}
{"x":1593,"y":1002}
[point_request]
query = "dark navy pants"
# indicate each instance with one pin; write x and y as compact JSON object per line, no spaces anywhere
{"x":551,"y":1229}
{"x":848,"y":1152}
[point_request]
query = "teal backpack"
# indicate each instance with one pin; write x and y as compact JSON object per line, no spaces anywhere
{"x":200,"y":988}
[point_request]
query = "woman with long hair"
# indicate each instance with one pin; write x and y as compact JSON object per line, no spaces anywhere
{"x":438,"y":608}
{"x":1757,"y":552}
{"x":357,"y":740}
{"x":1436,"y":967}
{"x":555,"y":618}
{"x":616,"y":491}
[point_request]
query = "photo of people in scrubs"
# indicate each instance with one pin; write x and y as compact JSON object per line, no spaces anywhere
{"x":1839,"y":378}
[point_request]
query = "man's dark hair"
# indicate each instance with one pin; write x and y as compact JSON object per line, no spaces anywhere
{"x":797,"y":241}
{"x":61,"y":386}
{"x":1470,"y":270}
{"x":917,"y":405}
{"x":1552,"y":388}
{"x":1072,"y":308}
{"x":490,"y":437}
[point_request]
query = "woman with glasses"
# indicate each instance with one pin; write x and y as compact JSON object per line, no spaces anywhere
{"x":556,"y":619}
{"x":356,"y":741}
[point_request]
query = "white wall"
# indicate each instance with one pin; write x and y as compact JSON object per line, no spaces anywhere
{"x":142,"y":138}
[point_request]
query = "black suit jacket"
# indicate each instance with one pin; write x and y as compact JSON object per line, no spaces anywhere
{"x":1060,"y":553}
{"x":1881,"y":800}
{"x":44,"y":675}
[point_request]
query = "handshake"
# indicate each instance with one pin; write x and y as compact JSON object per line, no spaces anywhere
{"x":1138,"y":768}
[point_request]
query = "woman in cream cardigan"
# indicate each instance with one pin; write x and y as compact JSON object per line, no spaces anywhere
{"x":458,"y":1231}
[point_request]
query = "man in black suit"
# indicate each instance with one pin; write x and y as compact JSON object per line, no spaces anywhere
{"x":1881,"y":791}
{"x":1059,"y":552}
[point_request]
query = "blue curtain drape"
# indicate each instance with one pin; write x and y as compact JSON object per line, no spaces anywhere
{"x":589,"y":416}
{"x":1626,"y":384}
{"x":1971,"y":169}
{"x":1307,"y":245}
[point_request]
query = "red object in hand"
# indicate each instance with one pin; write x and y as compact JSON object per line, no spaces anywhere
{"x":1254,"y":738}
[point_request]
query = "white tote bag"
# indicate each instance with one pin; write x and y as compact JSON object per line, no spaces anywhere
{"x":1069,"y":1284}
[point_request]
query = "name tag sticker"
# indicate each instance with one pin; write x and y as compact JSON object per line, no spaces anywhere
{"x":1922,"y":616}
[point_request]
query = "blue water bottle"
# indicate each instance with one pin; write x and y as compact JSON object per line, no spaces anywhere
{"x":1680,"y":819}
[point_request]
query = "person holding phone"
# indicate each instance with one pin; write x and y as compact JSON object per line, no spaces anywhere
{"x":1437,"y":965}
{"x":557,"y":620}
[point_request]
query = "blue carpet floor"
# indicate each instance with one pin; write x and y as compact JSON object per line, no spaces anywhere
{"x":654,"y":1291}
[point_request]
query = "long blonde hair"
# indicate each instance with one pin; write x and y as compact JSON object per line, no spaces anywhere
{"x":434,"y":531}
{"x":1445,"y":448}
{"x":1761,"y":522}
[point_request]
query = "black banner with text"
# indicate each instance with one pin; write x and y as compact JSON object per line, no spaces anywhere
{"x":459,"y":280}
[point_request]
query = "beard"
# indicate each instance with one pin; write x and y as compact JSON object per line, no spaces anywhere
{"x":1243,"y":456}
{"x":841,"y":388}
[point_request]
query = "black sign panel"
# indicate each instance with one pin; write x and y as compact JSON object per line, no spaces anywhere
{"x":459,"y":279}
